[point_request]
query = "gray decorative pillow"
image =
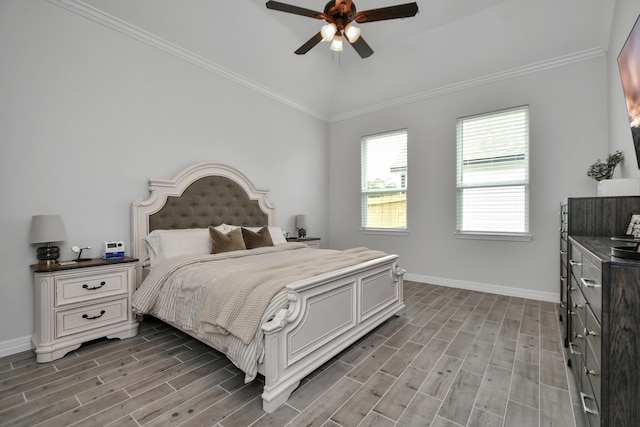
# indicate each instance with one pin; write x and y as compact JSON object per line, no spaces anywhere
{"x":221,"y":242}
{"x":254,"y":240}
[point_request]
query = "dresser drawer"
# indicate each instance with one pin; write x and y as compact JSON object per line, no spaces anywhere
{"x":88,"y":317}
{"x":591,"y":285}
{"x":81,"y":287}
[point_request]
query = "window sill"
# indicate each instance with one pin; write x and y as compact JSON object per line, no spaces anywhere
{"x":509,"y":237}
{"x":385,"y":231}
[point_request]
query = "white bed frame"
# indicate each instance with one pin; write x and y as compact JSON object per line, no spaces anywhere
{"x":326,"y":314}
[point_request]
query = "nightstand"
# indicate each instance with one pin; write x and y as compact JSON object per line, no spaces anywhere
{"x":312,"y":242}
{"x":80,"y":302}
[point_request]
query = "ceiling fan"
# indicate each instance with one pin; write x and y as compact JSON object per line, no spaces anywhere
{"x":340,"y":15}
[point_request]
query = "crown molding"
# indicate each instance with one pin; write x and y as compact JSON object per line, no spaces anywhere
{"x":139,"y":34}
{"x":585,"y":55}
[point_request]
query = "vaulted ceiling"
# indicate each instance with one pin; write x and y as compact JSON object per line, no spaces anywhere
{"x":449,"y":44}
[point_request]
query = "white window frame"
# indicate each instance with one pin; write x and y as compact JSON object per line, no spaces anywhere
{"x":498,"y":155}
{"x":365,"y":192}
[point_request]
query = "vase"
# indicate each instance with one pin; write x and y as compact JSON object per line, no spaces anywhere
{"x":619,"y":187}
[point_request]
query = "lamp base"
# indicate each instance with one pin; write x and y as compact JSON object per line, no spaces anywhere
{"x":48,"y":255}
{"x":302,"y":233}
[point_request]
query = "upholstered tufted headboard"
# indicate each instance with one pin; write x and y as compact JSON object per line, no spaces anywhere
{"x":211,"y":200}
{"x":202,"y":195}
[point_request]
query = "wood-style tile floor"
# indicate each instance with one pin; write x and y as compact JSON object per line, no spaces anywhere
{"x":455,"y":358}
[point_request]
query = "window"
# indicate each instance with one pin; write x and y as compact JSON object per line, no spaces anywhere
{"x":493,"y":173}
{"x":384,"y":181}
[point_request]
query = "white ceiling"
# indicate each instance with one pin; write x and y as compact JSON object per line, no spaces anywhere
{"x":449,"y":43}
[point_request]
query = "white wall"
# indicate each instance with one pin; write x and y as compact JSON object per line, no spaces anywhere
{"x":626,"y":13}
{"x":87,"y":115}
{"x":568,"y":116}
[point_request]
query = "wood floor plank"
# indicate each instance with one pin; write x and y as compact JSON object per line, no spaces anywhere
{"x":166,"y":404}
{"x":368,"y":367}
{"x":494,"y":391}
{"x":552,"y":370}
{"x":420,"y":412}
{"x":441,"y":377}
{"x":312,"y":390}
{"x":525,"y":388}
{"x":398,"y":397}
{"x":315,"y":415}
{"x":458,"y":404}
{"x":555,"y":407}
{"x":361,"y":402}
{"x":521,"y":415}
{"x":477,"y":357}
{"x":401,"y":359}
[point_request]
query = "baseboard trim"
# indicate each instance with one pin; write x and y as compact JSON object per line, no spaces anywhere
{"x":15,"y":345}
{"x":485,"y":287}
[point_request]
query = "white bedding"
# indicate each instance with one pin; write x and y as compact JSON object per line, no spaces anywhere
{"x":177,"y":290}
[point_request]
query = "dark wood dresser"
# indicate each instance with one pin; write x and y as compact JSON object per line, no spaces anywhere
{"x":601,"y":316}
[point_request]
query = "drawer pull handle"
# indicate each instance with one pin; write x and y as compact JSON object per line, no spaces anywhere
{"x":587,"y":333}
{"x":572,"y":289}
{"x":589,"y":283}
{"x":85,"y":286}
{"x":86,"y":316}
{"x":576,"y":305}
{"x":571,"y":345}
{"x":563,"y":252}
{"x":576,"y":263}
{"x":575,"y":335}
{"x":584,"y":397}
{"x":589,"y":371}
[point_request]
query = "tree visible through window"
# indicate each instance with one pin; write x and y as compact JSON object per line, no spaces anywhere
{"x":384,"y":180}
{"x":493,"y":172}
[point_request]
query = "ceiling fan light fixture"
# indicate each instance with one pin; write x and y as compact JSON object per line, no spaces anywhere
{"x":336,"y":43}
{"x":352,"y":32}
{"x":328,"y":31}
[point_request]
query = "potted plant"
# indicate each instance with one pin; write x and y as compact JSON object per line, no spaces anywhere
{"x":600,"y":170}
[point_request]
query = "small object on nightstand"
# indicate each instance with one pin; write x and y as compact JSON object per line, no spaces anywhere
{"x":301,"y":225}
{"x":47,"y":229}
{"x":78,"y":250}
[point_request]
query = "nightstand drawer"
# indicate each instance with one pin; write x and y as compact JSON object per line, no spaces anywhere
{"x":83,"y":287}
{"x":92,"y":316}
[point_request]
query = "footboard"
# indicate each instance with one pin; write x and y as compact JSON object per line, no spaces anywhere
{"x":326,"y":314}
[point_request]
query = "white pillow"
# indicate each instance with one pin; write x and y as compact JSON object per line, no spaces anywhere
{"x":277,"y":236}
{"x":163,"y":244}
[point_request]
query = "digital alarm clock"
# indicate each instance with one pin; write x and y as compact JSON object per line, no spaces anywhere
{"x":114,"y":250}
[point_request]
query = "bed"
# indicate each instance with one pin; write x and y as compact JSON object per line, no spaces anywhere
{"x":319,"y":301}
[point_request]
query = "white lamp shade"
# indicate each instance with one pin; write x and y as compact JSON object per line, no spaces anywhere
{"x":47,"y":229}
{"x":352,"y":32}
{"x":301,"y":221}
{"x":336,"y":44}
{"x":328,"y":31}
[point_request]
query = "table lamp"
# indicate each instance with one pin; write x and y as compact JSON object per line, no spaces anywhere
{"x":301,"y":225}
{"x":47,"y":229}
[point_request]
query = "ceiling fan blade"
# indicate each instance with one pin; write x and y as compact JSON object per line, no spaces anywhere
{"x":392,"y":12}
{"x":309,"y":44}
{"x":283,"y":7}
{"x":362,"y":47}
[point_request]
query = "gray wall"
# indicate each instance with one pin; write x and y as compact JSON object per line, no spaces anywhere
{"x":88,"y":115}
{"x":568,"y":130}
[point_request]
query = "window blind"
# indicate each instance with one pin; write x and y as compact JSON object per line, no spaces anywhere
{"x":383,"y":165}
{"x":493,"y":172}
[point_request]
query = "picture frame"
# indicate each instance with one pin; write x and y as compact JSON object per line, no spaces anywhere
{"x":633,"y":227}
